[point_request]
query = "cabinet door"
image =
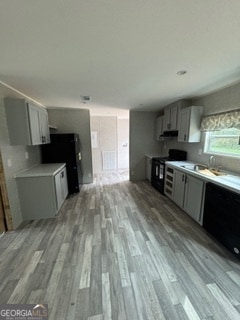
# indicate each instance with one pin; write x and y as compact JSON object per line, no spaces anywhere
{"x":179,"y":186}
{"x":35,"y":130}
{"x":159,"y":128}
{"x":27,"y":122}
{"x":61,"y":187}
{"x":184,"y":125}
{"x":193,"y":197}
{"x":174,"y":118}
{"x":44,"y":126}
{"x":167,"y":120}
{"x":58,"y":188}
{"x":170,"y":118}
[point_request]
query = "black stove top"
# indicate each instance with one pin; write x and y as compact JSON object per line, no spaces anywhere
{"x":173,"y":155}
{"x":163,"y":159}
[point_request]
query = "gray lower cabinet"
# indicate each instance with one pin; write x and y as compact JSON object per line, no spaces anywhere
{"x":188,"y":194}
{"x":61,"y":187}
{"x":193,"y":197}
{"x":178,"y":188}
{"x":42,"y":190}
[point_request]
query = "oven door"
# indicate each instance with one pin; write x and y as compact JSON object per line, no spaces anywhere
{"x":157,"y":178}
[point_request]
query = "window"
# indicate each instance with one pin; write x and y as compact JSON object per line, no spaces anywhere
{"x":225,"y":142}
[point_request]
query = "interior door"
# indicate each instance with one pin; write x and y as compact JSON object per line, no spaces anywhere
{"x":123,"y":143}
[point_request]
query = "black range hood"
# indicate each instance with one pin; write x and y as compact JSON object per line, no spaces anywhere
{"x":171,"y":133}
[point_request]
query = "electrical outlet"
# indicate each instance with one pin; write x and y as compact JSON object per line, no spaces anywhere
{"x":26,"y":155}
{"x":199,"y":151}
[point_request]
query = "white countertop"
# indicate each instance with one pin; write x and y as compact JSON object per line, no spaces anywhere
{"x":230,"y":181}
{"x":42,"y":170}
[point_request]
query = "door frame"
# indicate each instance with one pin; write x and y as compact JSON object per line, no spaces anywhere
{"x":6,"y":221}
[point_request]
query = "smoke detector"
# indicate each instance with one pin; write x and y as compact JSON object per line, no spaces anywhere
{"x":86,"y":99}
{"x":181,"y":72}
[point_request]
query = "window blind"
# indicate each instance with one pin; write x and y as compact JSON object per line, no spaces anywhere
{"x":219,"y":121}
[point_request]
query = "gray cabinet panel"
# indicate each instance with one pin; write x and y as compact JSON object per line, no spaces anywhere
{"x":42,"y":191}
{"x":37,"y":197}
{"x":189,"y":124}
{"x":187,"y":193}
{"x":193,"y":197}
{"x":27,"y":122}
{"x":34,"y":124}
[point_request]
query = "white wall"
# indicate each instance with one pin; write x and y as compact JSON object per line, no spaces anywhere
{"x":142,"y":141}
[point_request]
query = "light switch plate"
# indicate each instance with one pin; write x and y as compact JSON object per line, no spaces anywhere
{"x":9,"y":162}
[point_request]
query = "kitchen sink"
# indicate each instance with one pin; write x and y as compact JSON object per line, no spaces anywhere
{"x":211,"y":172}
{"x":203,"y":169}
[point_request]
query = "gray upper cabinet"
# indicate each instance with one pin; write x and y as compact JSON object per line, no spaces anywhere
{"x":171,"y":114}
{"x":159,"y":128}
{"x":170,"y":119}
{"x":189,"y":124}
{"x":27,"y":122}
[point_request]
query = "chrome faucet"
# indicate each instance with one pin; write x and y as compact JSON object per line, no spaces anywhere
{"x":212,"y":161}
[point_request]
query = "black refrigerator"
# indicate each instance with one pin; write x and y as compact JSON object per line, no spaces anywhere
{"x":65,"y":147}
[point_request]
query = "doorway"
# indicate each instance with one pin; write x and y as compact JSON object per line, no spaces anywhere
{"x":110,"y":143}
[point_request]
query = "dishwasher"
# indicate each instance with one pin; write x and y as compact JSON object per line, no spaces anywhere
{"x":221,"y":216}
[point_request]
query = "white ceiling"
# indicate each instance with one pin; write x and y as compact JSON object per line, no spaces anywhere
{"x":124,"y":53}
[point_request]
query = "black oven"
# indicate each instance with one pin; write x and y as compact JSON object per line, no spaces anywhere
{"x":158,"y":167}
{"x":158,"y":172}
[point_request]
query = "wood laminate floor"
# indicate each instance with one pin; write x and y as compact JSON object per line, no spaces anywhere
{"x":120,"y":250}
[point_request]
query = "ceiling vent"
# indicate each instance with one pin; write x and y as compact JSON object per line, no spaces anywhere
{"x":86,"y":99}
